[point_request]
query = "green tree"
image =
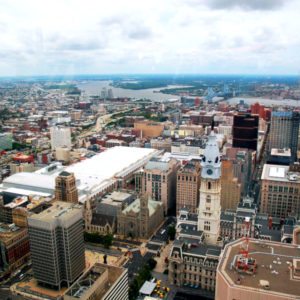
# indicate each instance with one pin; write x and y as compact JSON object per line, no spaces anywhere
{"x":107,"y":241}
{"x":171,"y":232}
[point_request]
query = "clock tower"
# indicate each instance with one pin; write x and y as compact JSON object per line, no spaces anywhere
{"x":209,"y":211}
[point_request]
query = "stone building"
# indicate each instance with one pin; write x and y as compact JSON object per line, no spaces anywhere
{"x":280,"y":191}
{"x":160,"y":181}
{"x":140,"y":219}
{"x":65,"y":187}
{"x":230,"y":187}
{"x":187,"y":189}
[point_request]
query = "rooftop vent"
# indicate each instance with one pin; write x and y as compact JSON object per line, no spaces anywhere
{"x":265,"y":284}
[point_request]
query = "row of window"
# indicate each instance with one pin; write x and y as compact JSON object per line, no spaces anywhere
{"x":283,"y":189}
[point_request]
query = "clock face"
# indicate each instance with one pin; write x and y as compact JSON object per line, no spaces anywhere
{"x":209,"y":171}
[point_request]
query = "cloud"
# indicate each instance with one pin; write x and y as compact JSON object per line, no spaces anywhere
{"x":242,"y":4}
{"x":142,"y":36}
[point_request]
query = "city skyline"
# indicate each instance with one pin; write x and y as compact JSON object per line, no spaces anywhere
{"x":177,"y":37}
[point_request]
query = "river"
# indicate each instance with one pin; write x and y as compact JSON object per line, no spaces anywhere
{"x":93,"y":88}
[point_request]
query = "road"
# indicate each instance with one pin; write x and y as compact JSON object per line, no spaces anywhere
{"x":5,"y":293}
{"x":101,"y":122}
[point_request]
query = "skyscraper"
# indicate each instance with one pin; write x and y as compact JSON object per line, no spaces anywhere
{"x":60,"y":137}
{"x":245,"y":131}
{"x":65,"y":187}
{"x":188,"y":184}
{"x":210,"y":192}
{"x":56,"y":245}
{"x":284,"y":131}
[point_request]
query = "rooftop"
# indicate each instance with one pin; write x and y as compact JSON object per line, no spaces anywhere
{"x":58,"y":211}
{"x":274,"y":261}
{"x":92,"y":175}
{"x":95,"y":276}
{"x":279,"y":173}
{"x":281,"y":152}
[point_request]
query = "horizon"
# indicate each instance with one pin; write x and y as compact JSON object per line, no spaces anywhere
{"x":49,"y":38}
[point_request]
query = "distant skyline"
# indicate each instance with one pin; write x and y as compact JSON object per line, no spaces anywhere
{"x":71,"y":37}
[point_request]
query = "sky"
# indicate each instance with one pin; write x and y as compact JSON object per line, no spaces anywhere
{"x":58,"y":37}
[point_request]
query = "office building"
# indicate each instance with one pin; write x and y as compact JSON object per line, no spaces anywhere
{"x":252,"y":269}
{"x":101,"y":281}
{"x":187,"y":187}
{"x":230,"y":187}
{"x":60,"y":137}
{"x":56,"y":245}
{"x":245,"y":131}
{"x":280,"y":157}
{"x":284,"y":130}
{"x":6,"y":141}
{"x":160,"y":181}
{"x":280,"y":186}
{"x":65,"y":187}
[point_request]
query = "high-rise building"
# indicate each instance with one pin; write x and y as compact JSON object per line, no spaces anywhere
{"x":280,"y":191}
{"x":110,"y":94}
{"x":65,"y":187}
{"x":56,"y":244}
{"x":160,"y":181}
{"x":60,"y":137}
{"x":245,"y":131}
{"x":188,"y":184}
{"x":284,"y":130}
{"x":230,"y":187}
{"x":258,"y":269}
{"x":210,"y":192}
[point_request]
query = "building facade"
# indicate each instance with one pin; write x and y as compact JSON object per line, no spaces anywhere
{"x":140,"y":219}
{"x":187,"y":187}
{"x":65,"y":187}
{"x":14,"y":249}
{"x":230,"y":187}
{"x":245,"y":131}
{"x":280,"y":191}
{"x":284,"y":130}
{"x":210,"y":192}
{"x":160,"y":181}
{"x":60,"y":137}
{"x":56,"y":245}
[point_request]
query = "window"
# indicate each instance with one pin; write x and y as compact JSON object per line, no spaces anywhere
{"x":208,"y":199}
{"x":209,"y":185}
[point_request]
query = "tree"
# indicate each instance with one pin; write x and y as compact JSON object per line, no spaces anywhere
{"x":171,"y":232}
{"x":107,"y":240}
{"x":152,"y":263}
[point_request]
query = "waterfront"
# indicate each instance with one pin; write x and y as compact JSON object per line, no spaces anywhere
{"x":93,"y":88}
{"x":264,"y":101}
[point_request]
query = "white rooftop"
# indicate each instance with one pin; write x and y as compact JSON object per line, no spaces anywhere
{"x":92,"y":175}
{"x":281,"y":152}
{"x":279,"y":173}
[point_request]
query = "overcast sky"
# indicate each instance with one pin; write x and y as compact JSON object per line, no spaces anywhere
{"x":149,"y":36}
